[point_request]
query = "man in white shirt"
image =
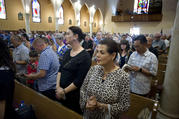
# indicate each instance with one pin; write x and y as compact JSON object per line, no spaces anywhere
{"x":143,"y":65}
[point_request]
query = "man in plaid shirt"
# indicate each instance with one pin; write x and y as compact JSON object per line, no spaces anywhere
{"x":143,"y":65}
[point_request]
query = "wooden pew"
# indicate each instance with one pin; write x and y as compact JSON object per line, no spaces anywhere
{"x":44,"y":107}
{"x":138,"y":103}
{"x":163,"y":58}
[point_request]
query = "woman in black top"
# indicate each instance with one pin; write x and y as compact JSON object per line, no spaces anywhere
{"x":74,"y":67}
{"x":124,"y":52}
{"x":88,"y":45}
{"x":7,"y":73}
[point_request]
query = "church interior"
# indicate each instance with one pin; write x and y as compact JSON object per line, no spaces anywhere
{"x":89,"y":59}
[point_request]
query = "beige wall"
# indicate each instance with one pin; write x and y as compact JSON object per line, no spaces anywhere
{"x":13,"y":7}
{"x":169,"y":9}
{"x":46,"y":11}
{"x":106,"y":6}
{"x":84,"y":17}
{"x":68,"y":14}
{"x":98,"y":4}
{"x":96,"y":20}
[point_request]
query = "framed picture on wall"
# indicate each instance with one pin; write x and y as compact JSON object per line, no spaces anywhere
{"x":49,"y":19}
{"x":95,"y":25}
{"x":85,"y":23}
{"x":70,"y":22}
{"x":20,"y":16}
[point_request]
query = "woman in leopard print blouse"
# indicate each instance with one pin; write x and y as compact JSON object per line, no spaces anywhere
{"x":105,"y":91}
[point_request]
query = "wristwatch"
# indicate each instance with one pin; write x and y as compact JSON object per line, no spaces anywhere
{"x":140,"y":70}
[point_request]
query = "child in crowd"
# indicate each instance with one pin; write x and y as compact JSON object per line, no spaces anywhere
{"x":32,"y":68}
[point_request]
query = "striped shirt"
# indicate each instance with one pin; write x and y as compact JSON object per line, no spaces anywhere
{"x":49,"y":62}
{"x":140,"y":83}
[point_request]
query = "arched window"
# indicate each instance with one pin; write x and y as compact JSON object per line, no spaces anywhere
{"x":2,"y":10}
{"x":141,"y":6}
{"x":60,"y":15}
{"x":35,"y":11}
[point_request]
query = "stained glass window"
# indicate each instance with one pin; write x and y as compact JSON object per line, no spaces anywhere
{"x":60,"y":15}
{"x":35,"y":11}
{"x":2,"y":10}
{"x":141,"y":6}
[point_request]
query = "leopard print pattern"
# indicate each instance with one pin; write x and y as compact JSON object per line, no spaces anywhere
{"x":114,"y":90}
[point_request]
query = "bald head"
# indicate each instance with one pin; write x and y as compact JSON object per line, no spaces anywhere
{"x":39,"y":44}
{"x":39,"y":41}
{"x":157,"y":36}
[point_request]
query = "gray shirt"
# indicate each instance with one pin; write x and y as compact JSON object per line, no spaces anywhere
{"x":21,"y":53}
{"x":49,"y":62}
{"x":159,"y":45}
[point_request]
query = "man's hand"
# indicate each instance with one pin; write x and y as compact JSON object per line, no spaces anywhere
{"x":135,"y":68}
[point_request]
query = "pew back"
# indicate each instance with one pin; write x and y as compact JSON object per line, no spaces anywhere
{"x":138,"y":103}
{"x":44,"y":107}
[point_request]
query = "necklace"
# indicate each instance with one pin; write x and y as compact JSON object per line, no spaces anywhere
{"x":106,"y":73}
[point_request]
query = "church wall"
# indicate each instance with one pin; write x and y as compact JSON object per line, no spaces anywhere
{"x":13,"y":7}
{"x":169,"y":10}
{"x":68,"y":14}
{"x":84,"y":19}
{"x":96,"y":21}
{"x":47,"y":10}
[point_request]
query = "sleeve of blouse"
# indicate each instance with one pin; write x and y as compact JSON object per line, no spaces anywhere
{"x":83,"y":90}
{"x":124,"y":97}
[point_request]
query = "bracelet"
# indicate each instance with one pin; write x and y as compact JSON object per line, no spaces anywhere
{"x":64,"y":91}
{"x":101,"y":106}
{"x":140,"y":70}
{"x":64,"y":97}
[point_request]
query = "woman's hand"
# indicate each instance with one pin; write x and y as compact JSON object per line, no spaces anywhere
{"x":60,"y":94}
{"x":91,"y":103}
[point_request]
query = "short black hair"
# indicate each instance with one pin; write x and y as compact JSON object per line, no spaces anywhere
{"x":142,"y":39}
{"x":25,"y":35}
{"x":112,"y":46}
{"x":77,"y":30}
{"x":33,"y":53}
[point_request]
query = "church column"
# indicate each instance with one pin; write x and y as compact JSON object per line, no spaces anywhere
{"x":56,"y":5}
{"x":169,"y":108}
{"x":27,"y":22}
{"x":26,"y":6}
{"x":92,"y":11}
{"x":56,"y":24}
{"x":91,"y":29}
{"x":77,"y":8}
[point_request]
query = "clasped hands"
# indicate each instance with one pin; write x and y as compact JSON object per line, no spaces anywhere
{"x":92,"y":103}
{"x":60,"y":93}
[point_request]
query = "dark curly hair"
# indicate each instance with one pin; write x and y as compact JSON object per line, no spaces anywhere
{"x":5,"y":56}
{"x":77,"y":30}
{"x":112,"y":46}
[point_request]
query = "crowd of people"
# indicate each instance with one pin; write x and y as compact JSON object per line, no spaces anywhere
{"x":58,"y":65}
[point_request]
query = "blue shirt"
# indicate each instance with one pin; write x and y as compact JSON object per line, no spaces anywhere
{"x":49,"y":62}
